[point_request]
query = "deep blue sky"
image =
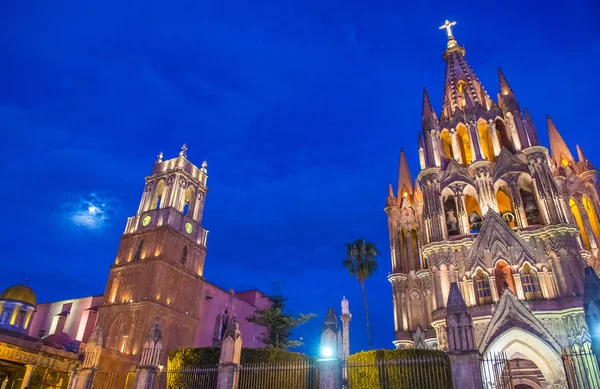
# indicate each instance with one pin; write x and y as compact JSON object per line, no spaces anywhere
{"x":300,"y":109}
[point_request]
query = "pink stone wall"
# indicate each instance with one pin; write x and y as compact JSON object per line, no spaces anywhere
{"x":212,"y":303}
{"x":79,"y":324}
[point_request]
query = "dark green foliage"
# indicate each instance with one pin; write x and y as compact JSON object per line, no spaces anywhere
{"x":193,"y":357}
{"x":361,"y":262}
{"x":278,"y":368}
{"x":209,"y":356}
{"x":279,"y":322}
{"x":399,"y":369}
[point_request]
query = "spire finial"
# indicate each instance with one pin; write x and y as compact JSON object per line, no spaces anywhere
{"x":183,"y":152}
{"x":448,"y":27}
{"x":159,"y":157}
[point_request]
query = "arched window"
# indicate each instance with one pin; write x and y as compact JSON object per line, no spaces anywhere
{"x":486,"y":141}
{"x":503,"y":136}
{"x":186,"y":208}
{"x":505,"y":207}
{"x":504,"y":277}
{"x":531,"y":284}
{"x":591,"y":213}
{"x":532,"y":213}
{"x":184,"y":256}
{"x":464,"y":144}
{"x":575,"y":211}
{"x":473,"y":213}
{"x":158,"y":193}
{"x":415,"y":248}
{"x":138,"y":253}
{"x":451,"y":220}
{"x":482,"y":288}
{"x":447,"y":143}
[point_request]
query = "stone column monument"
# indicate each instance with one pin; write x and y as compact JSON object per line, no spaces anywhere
{"x":229,"y":362}
{"x":464,"y":356}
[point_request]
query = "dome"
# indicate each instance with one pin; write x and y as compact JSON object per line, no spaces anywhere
{"x":21,"y":293}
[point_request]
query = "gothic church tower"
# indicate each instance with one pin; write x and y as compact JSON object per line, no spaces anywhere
{"x":158,"y":269}
{"x":499,"y":215}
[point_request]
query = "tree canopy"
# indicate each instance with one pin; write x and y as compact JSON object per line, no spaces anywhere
{"x":279,"y":322}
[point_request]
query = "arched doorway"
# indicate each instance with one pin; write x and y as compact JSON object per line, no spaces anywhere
{"x":530,"y":356}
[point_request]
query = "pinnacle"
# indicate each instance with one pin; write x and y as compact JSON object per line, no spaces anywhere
{"x":580,"y":156}
{"x":505,"y":88}
{"x":404,"y":179}
{"x":558,"y":147}
{"x":456,"y":303}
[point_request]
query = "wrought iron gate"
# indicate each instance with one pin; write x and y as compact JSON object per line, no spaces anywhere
{"x":581,"y":367}
{"x":495,"y":371}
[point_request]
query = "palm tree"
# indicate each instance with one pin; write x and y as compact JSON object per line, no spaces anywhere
{"x":361,"y":261}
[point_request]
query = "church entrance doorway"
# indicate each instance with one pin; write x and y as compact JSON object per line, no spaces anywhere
{"x":529,"y":360}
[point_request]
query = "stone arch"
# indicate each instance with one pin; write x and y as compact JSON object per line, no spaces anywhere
{"x":482,"y":287}
{"x":518,"y":342}
{"x":157,"y":196}
{"x":592,"y":217}
{"x":464,"y":144}
{"x":485,"y":140}
{"x":451,"y":213}
{"x":116,"y":334}
{"x":503,"y":134}
{"x":472,"y":208}
{"x":503,"y":273}
{"x":446,"y":141}
{"x":190,"y":194}
{"x":505,"y":206}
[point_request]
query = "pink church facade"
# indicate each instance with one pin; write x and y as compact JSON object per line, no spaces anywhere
{"x":65,"y":321}
{"x":74,"y":318}
{"x":215,"y":301}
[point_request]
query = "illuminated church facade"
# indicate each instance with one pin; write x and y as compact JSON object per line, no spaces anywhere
{"x":511,"y":222}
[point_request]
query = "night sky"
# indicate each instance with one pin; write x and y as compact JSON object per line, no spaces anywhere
{"x":299,"y":109}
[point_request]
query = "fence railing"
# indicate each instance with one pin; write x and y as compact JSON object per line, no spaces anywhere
{"x":581,"y":368}
{"x":495,"y":372}
{"x":279,"y":375}
{"x":418,"y":372}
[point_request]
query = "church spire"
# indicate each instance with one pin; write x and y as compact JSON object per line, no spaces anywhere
{"x":560,"y":152}
{"x":428,"y":112}
{"x":460,"y":78}
{"x":506,"y":97}
{"x":505,"y":88}
{"x":580,"y":156}
{"x":405,"y":187}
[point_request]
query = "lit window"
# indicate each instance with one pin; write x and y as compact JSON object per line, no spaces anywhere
{"x":184,"y":256}
{"x":531,"y":284}
{"x":482,"y":288}
{"x":138,"y":252}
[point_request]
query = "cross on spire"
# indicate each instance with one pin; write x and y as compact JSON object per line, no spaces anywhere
{"x":448,"y":27}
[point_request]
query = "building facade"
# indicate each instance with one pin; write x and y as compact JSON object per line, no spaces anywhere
{"x":156,"y":281}
{"x":512,"y":223}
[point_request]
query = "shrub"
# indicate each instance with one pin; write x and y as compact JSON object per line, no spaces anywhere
{"x":281,"y":368}
{"x":399,"y":369}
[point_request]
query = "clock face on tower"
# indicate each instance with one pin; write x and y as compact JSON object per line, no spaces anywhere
{"x":189,"y":228}
{"x":146,"y":220}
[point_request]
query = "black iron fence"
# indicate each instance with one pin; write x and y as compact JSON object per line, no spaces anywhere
{"x":279,"y":375}
{"x":416,"y":372}
{"x":581,"y":367}
{"x":495,"y":372}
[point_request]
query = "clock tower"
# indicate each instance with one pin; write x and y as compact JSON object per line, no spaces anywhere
{"x":158,"y":269}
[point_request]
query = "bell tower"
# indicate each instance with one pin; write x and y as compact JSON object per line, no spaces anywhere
{"x":160,"y":261}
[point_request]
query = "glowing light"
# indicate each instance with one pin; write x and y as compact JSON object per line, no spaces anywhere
{"x":91,"y":211}
{"x":326,"y":352}
{"x":405,"y":195}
